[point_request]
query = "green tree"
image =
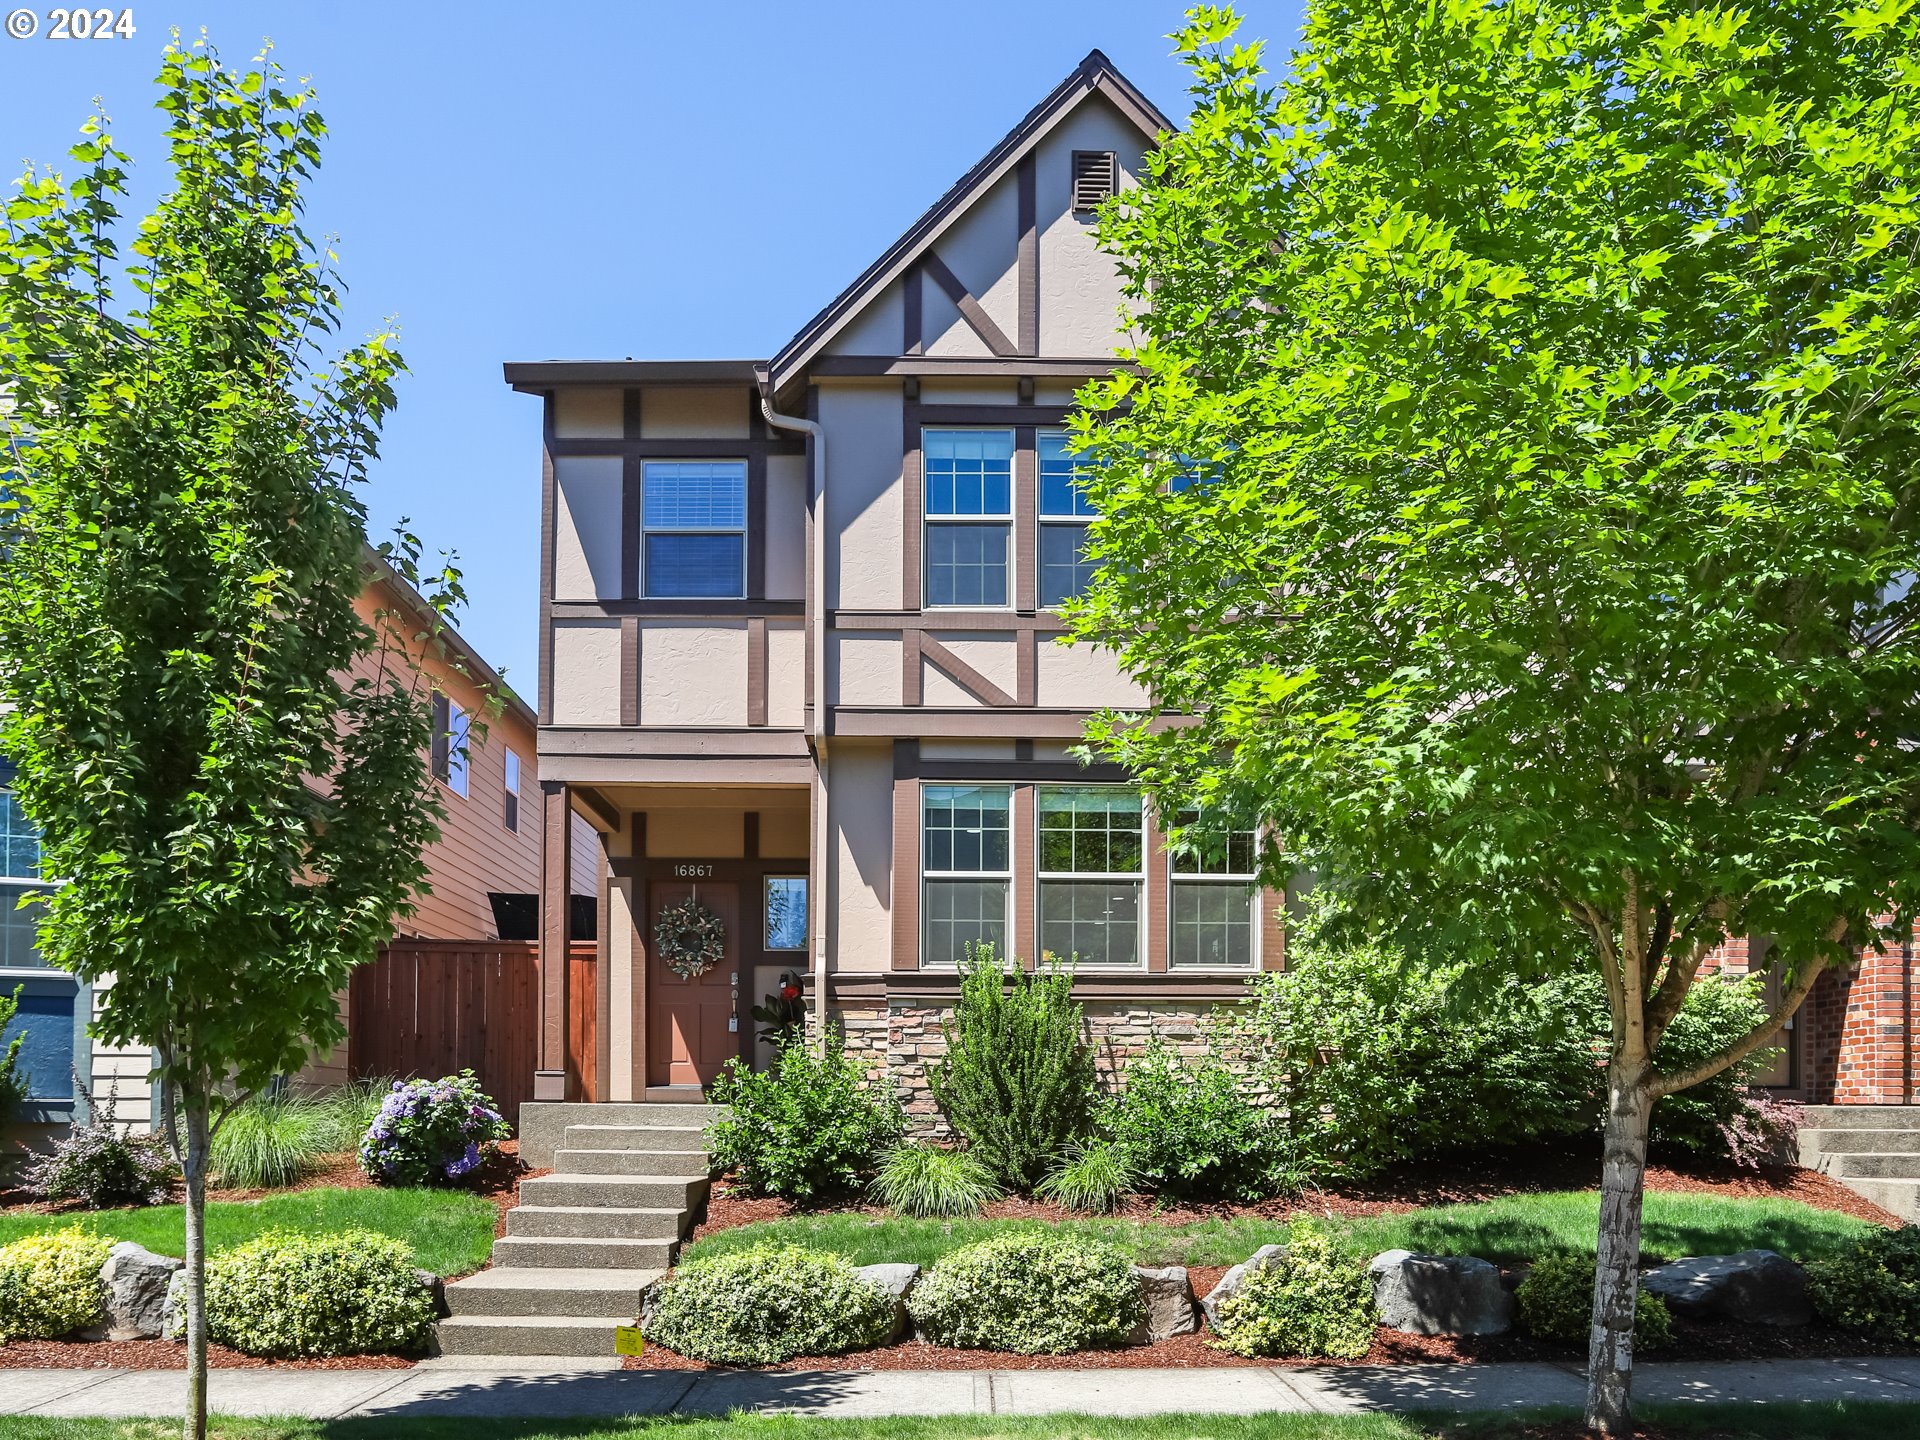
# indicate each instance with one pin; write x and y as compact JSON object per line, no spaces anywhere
{"x":1516,"y":485}
{"x":237,"y":821}
{"x":13,"y":1080}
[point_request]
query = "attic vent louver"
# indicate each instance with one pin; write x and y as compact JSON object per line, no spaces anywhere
{"x":1094,"y":175}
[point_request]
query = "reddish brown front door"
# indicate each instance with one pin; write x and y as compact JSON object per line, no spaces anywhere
{"x":688,"y":1035}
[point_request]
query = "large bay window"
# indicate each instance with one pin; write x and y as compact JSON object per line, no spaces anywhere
{"x":694,"y":513}
{"x":1212,"y":900}
{"x":966,"y":832}
{"x":1091,"y":872}
{"x":969,"y":515}
{"x":1065,"y":570}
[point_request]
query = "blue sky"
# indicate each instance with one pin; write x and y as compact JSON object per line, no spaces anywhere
{"x":594,"y":181}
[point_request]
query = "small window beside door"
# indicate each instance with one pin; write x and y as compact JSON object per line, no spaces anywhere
{"x":786,"y":912}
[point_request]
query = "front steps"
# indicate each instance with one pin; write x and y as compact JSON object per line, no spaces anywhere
{"x":1874,"y":1150}
{"x":585,"y":1242}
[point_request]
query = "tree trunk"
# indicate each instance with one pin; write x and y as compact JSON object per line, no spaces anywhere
{"x":194,"y":1167}
{"x":1617,"y":1278}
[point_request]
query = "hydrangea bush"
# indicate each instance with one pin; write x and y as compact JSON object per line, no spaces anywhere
{"x":430,"y":1132}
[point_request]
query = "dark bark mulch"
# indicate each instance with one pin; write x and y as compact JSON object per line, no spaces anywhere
{"x":165,"y":1355}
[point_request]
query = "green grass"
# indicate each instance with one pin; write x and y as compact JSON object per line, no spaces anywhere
{"x":1697,"y":1422}
{"x":1512,"y":1228}
{"x":450,"y":1232}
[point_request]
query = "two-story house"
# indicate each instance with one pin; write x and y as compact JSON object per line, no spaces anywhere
{"x":802,"y":664}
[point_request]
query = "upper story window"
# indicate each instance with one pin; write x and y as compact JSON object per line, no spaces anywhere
{"x":966,"y":832}
{"x":969,"y":504}
{"x":452,"y":730}
{"x":694,"y":513}
{"x":1212,"y":902}
{"x":1092,"y":872}
{"x":510,"y":812}
{"x":1065,"y":510}
{"x":19,"y":875}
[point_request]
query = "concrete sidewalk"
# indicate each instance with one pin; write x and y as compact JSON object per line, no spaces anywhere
{"x":549,"y":1390}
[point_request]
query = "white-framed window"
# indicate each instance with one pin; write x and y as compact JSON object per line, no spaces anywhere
{"x":53,"y":1006}
{"x":452,"y":729}
{"x":694,"y":523}
{"x":966,"y":869}
{"x":1212,"y":899}
{"x":510,"y":811}
{"x":786,"y":912}
{"x":1065,"y":511}
{"x":968,"y":487}
{"x":1092,"y":872}
{"x":19,"y":877}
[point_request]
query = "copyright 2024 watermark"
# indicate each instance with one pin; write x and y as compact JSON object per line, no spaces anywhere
{"x":63,"y":24}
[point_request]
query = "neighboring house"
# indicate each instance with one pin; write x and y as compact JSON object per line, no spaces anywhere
{"x":483,"y":876}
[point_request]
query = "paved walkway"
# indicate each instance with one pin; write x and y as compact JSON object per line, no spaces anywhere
{"x":555,"y":1390}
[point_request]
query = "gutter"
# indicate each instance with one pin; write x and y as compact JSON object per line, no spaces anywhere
{"x":817,"y":727}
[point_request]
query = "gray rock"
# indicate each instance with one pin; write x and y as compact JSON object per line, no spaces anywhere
{"x":1755,"y":1287}
{"x":1169,"y":1297}
{"x":436,"y":1287}
{"x":1440,"y":1294}
{"x":138,"y":1284}
{"x":898,"y":1281}
{"x":1231,"y":1282}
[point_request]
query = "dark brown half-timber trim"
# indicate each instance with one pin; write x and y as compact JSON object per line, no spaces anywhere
{"x":1026,"y":660}
{"x":962,"y":674}
{"x":906,"y":855}
{"x":717,"y":449}
{"x":1029,"y":261}
{"x":829,"y":367}
{"x":756,"y":526}
{"x":602,"y":988}
{"x":629,"y":670}
{"x":1023,"y":772}
{"x":630,"y":414}
{"x":598,"y":807}
{"x":913,"y":507}
{"x":970,"y":309}
{"x":556,"y":857}
{"x":943,"y":986}
{"x":729,"y":742}
{"x":630,"y":527}
{"x":912,"y":341}
{"x":547,"y":501}
{"x":1026,"y":528}
{"x":997,"y":722}
{"x":1009,"y":414}
{"x":911,"y":679}
{"x":787,"y":772}
{"x":1024,"y":892}
{"x":679,"y":609}
{"x":637,"y":982}
{"x":756,"y":671}
{"x":1157,"y":895}
{"x":539,"y":375}
{"x":944,"y":618}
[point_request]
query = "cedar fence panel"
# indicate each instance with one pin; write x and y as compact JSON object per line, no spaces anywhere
{"x":436,"y":1007}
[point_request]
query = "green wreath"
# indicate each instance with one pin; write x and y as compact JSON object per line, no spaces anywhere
{"x":690,"y":938}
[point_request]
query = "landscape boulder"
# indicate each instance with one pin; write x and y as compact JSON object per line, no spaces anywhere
{"x":1440,"y":1294}
{"x":1169,"y":1297}
{"x":898,"y":1281}
{"x":136,"y":1282}
{"x":436,"y":1289}
{"x":1231,"y":1282}
{"x":1755,"y":1287}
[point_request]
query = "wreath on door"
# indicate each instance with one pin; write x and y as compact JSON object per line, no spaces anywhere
{"x":690,"y":938}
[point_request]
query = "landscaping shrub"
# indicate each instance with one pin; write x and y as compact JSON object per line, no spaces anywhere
{"x":13,"y":1081}
{"x":1316,"y":1300}
{"x":1556,"y":1303}
{"x":429,"y":1132}
{"x":766,"y":1304}
{"x":50,"y":1284}
{"x":100,"y":1164}
{"x":1874,"y":1287}
{"x":809,"y":1128}
{"x":1090,"y":1177}
{"x":1017,"y":1079}
{"x":343,"y":1116}
{"x":1187,"y":1129}
{"x":290,"y":1295}
{"x":926,"y":1180}
{"x":1033,"y":1292}
{"x":269,"y":1141}
{"x":1715,"y":1014}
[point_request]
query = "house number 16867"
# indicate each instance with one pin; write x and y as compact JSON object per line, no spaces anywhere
{"x":693,"y":872}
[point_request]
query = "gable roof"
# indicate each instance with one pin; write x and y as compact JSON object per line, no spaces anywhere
{"x":1094,"y":74}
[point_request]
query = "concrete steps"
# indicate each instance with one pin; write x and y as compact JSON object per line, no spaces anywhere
{"x":585,"y":1242}
{"x":1874,"y":1150}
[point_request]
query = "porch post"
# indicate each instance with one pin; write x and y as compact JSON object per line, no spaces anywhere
{"x":550,"y":1080}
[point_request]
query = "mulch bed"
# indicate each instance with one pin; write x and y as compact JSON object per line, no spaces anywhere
{"x":165,"y":1355}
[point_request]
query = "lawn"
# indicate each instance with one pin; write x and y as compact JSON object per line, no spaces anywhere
{"x":450,"y":1232}
{"x":1693,"y":1422}
{"x":1512,"y":1228}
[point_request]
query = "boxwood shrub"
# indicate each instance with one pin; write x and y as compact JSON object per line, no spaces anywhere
{"x":1316,"y":1300}
{"x":811,"y":1128}
{"x":1033,"y":1292}
{"x":292,"y":1295}
{"x":1556,"y":1303}
{"x":768,"y":1303}
{"x":50,"y":1284}
{"x":1874,"y":1287}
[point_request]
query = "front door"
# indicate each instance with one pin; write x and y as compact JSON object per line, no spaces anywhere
{"x":689,"y":1018}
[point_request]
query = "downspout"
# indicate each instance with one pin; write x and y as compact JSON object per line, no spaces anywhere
{"x":817,"y":730}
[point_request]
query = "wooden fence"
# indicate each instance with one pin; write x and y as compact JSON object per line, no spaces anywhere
{"x":436,"y":1007}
